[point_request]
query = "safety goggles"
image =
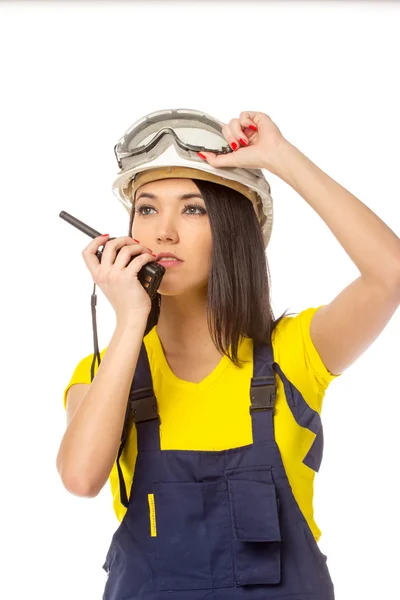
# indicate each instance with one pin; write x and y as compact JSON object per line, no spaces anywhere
{"x":191,"y":131}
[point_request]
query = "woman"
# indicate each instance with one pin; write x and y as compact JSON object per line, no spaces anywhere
{"x":220,"y":452}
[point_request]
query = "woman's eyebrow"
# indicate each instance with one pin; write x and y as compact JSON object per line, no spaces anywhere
{"x":182,"y":197}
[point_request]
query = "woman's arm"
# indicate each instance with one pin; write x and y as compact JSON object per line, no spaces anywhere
{"x":91,"y":441}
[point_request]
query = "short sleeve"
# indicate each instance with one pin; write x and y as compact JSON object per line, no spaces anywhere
{"x":298,"y":358}
{"x":323,"y":376}
{"x":82,"y":373}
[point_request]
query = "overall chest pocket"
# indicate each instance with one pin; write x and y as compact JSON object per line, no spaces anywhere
{"x":193,"y":538}
{"x":255,"y":522}
{"x":220,"y":533}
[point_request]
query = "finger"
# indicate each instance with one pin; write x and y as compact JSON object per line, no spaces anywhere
{"x":249,"y":118}
{"x":111,"y":247}
{"x":238,"y":134}
{"x":142,"y":259}
{"x":89,"y":253}
{"x":220,"y":160}
{"x":250,"y":133}
{"x":249,"y":127}
{"x":96,"y":243}
{"x":126,"y":252}
{"x":230,"y":137}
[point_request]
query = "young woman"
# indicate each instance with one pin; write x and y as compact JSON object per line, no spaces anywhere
{"x":218,"y":402}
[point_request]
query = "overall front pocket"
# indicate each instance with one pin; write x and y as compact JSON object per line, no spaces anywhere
{"x":255,"y":523}
{"x":193,"y":535}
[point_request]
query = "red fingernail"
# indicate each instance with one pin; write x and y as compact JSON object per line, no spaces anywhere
{"x":253,"y":127}
{"x":234,"y":145}
{"x":242,"y":141}
{"x":136,"y":240}
{"x":202,"y":156}
{"x":103,"y":234}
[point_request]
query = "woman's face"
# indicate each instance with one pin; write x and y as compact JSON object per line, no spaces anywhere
{"x":166,"y":221}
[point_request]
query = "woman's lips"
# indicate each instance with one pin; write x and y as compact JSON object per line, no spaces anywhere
{"x":170,"y":263}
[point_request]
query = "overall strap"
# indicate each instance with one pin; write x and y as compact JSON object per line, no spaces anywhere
{"x":143,"y":411}
{"x":263,"y":393}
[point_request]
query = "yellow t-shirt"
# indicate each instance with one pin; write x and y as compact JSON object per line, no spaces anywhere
{"x":214,"y":414}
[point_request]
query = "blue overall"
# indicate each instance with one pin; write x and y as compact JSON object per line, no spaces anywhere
{"x":226,"y":523}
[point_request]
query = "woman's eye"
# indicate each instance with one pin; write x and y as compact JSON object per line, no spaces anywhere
{"x":202,"y":211}
{"x":139,"y":209}
{"x":196,"y":207}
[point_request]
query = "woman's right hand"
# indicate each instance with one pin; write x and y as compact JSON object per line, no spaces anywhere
{"x":119,"y":282}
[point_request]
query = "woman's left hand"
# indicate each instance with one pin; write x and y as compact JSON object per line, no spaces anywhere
{"x":255,"y":139}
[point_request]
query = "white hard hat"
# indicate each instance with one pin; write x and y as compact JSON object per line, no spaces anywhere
{"x":164,"y":144}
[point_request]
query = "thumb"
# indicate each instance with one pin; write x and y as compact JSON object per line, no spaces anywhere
{"x":219,"y":160}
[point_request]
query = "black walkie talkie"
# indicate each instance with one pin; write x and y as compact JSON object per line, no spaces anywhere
{"x":152,"y":270}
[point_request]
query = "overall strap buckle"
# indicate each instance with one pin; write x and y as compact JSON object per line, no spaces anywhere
{"x":263,"y":393}
{"x":145,"y":407}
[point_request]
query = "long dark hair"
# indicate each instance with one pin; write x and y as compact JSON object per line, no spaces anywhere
{"x":238,"y":298}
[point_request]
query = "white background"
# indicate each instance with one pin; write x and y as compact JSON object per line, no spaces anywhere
{"x":74,"y":77}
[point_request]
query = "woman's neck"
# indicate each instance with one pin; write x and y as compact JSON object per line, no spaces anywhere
{"x":182,"y":327}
